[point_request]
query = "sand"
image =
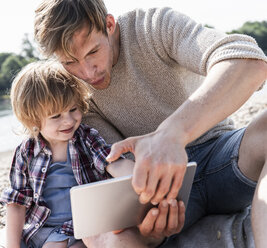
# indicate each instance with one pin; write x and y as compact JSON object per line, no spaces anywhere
{"x":250,"y":110}
{"x":5,"y":162}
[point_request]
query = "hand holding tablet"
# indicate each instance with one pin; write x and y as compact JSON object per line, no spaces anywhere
{"x":113,"y":204}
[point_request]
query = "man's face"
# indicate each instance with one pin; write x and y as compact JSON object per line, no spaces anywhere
{"x":93,"y":58}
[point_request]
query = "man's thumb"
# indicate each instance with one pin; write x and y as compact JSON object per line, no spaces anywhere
{"x":119,"y":148}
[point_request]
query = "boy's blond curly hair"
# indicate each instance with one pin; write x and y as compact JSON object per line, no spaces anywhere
{"x":44,"y":88}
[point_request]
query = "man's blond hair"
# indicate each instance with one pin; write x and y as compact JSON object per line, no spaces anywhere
{"x":45,"y":88}
{"x":57,"y":20}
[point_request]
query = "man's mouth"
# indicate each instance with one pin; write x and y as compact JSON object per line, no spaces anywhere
{"x":98,"y":81}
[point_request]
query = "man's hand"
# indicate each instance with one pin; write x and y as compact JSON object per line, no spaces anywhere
{"x":163,"y":221}
{"x":160,"y":165}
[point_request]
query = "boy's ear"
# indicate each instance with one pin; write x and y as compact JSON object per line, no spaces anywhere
{"x":110,"y":24}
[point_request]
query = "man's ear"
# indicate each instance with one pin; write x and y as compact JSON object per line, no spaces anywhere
{"x":110,"y":24}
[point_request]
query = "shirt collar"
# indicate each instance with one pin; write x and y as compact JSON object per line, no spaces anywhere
{"x":41,"y":145}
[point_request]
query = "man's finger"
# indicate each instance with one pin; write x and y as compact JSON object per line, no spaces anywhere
{"x":140,"y":175}
{"x":148,"y":223}
{"x":176,"y":184}
{"x":181,"y":216}
{"x":161,"y":221}
{"x":172,"y":218}
{"x":162,"y":190}
{"x":176,"y":217}
{"x":117,"y":149}
{"x":151,"y":187}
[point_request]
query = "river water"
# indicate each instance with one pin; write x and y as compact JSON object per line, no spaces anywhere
{"x":9,"y":131}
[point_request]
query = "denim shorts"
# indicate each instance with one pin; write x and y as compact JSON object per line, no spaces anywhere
{"x":48,"y":234}
{"x":219,"y":186}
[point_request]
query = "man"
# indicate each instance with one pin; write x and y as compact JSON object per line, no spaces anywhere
{"x":167,"y":84}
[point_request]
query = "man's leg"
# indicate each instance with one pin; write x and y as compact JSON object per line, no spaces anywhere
{"x":253,"y":164}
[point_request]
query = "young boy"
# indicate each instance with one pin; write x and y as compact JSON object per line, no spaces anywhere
{"x":59,"y":154}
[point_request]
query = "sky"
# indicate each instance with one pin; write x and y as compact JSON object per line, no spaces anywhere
{"x":16,"y":16}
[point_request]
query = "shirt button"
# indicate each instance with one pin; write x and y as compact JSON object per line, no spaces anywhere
{"x":36,"y":225}
{"x":44,"y":170}
{"x":35,"y":195}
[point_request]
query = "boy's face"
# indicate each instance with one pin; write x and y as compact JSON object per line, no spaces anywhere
{"x":93,"y":57}
{"x":60,"y":127}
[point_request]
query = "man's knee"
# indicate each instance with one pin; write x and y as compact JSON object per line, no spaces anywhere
{"x":253,"y":149}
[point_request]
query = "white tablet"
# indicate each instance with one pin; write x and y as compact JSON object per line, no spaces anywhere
{"x":113,"y":204}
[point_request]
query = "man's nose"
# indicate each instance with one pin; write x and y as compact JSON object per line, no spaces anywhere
{"x":88,"y":70}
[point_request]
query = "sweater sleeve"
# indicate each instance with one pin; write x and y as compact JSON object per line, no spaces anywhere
{"x":190,"y":44}
{"x":94,"y":118}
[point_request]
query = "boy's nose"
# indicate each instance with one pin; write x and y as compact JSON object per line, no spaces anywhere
{"x":68,"y":119}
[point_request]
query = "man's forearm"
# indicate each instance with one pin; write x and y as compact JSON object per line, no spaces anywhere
{"x":227,"y":86}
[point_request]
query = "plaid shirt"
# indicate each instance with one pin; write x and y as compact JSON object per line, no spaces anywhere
{"x":88,"y":152}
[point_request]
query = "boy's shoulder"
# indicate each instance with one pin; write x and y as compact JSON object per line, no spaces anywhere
{"x":90,"y":136}
{"x":30,"y":147}
{"x":26,"y":145}
{"x":85,"y":131}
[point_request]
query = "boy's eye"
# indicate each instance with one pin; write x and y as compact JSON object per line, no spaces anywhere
{"x":55,"y":116}
{"x":73,"y":109}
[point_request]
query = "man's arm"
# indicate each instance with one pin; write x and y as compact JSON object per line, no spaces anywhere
{"x":160,"y":156}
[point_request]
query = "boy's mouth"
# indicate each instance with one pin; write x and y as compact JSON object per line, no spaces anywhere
{"x":69,"y":130}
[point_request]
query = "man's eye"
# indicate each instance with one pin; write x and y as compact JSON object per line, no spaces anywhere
{"x":68,"y":62}
{"x":73,"y":109}
{"x":55,"y":116}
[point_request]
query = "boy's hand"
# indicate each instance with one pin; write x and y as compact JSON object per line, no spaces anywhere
{"x":121,"y":167}
{"x":118,"y":231}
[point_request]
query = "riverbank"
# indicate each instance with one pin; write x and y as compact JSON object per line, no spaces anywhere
{"x":253,"y":107}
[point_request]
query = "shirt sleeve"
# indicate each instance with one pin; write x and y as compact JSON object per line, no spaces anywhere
{"x":19,"y":191}
{"x":175,"y":36}
{"x":100,"y":150}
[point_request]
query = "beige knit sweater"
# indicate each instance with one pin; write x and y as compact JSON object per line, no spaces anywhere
{"x":163,"y":54}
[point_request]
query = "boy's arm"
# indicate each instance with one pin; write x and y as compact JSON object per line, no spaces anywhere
{"x":121,"y":167}
{"x":15,"y":222}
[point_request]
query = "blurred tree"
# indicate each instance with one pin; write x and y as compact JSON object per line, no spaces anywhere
{"x":9,"y":68}
{"x":29,"y":51}
{"x":3,"y":57}
{"x":258,"y":30}
{"x":11,"y":64}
